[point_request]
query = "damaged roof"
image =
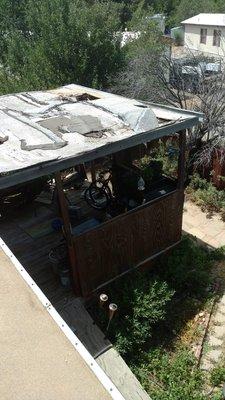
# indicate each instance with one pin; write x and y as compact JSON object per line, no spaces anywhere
{"x":47,"y":131}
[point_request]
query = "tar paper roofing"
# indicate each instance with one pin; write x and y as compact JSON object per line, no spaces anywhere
{"x":206,"y":19}
{"x":44,"y":132}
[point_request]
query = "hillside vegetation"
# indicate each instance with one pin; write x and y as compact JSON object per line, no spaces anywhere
{"x":52,"y":42}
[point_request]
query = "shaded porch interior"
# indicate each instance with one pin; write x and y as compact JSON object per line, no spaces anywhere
{"x":29,"y":231}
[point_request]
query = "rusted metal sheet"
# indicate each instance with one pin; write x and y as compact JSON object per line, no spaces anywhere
{"x":128,"y":240}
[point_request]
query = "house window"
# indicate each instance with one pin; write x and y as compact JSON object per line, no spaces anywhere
{"x":203,"y":35}
{"x":216,"y":37}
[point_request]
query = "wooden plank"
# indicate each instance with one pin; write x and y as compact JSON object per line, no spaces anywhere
{"x":147,"y":263}
{"x":81,"y":323}
{"x":121,"y":375}
{"x":33,"y":254}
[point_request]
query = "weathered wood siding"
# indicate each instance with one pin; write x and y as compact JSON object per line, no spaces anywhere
{"x":128,"y":240}
{"x":218,"y":167}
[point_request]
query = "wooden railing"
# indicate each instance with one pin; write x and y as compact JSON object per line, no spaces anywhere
{"x":128,"y":240}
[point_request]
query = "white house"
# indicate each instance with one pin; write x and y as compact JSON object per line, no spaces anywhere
{"x":205,"y":33}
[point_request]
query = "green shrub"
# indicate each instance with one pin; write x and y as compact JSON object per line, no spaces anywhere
{"x":142,"y":303}
{"x":146,"y":171}
{"x":217,"y":375}
{"x":140,"y":312}
{"x":145,"y":299}
{"x":179,"y":38}
{"x":205,"y":194}
{"x":198,"y":183}
{"x":187,"y":268}
{"x":218,"y":254}
{"x":168,"y":153}
{"x":153,"y":308}
{"x":151,"y":169}
{"x":163,"y":159}
{"x":217,"y":396}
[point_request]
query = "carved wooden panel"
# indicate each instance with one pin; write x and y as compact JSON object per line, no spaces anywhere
{"x":122,"y":243}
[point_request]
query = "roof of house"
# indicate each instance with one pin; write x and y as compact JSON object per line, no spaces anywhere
{"x":44,"y":132}
{"x":206,"y":19}
{"x":41,"y":358}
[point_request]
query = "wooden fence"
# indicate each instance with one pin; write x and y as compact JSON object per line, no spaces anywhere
{"x":128,"y":240}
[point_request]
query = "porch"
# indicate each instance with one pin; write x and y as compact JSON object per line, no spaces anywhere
{"x":108,"y":227}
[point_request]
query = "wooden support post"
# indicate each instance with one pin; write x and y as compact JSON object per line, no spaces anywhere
{"x":182,"y":161}
{"x":81,"y":169}
{"x":93,"y":172}
{"x":68,"y":234}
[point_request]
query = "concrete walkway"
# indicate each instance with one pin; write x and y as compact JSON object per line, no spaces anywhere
{"x":209,"y":230}
{"x":212,"y":233}
{"x":37,"y":360}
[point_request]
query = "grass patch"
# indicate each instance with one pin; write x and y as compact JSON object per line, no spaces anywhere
{"x":167,"y":375}
{"x":156,"y":328}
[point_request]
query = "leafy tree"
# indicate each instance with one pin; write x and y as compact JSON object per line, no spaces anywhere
{"x":140,"y":17}
{"x":57,"y":42}
{"x":159,"y":6}
{"x":130,"y":7}
{"x":175,"y":10}
{"x":142,"y":58}
{"x":220,"y":6}
{"x":188,"y":8}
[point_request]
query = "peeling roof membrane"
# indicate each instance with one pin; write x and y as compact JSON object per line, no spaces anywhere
{"x":137,"y":116}
{"x":86,"y":125}
{"x":76,"y":123}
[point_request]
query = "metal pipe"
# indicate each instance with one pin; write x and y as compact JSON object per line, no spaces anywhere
{"x":112,"y":310}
